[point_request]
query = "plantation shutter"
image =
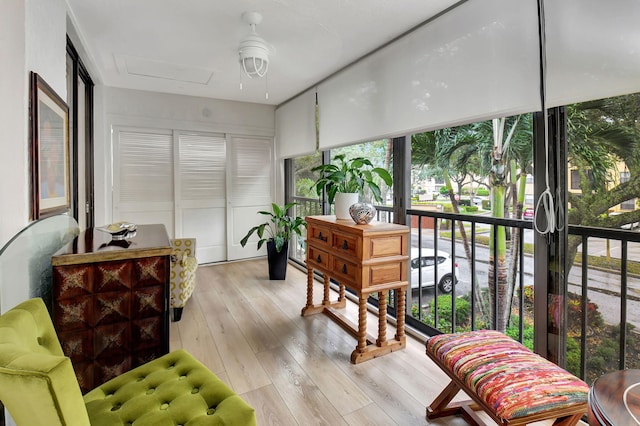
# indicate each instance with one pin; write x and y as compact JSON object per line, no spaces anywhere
{"x":143,"y":177}
{"x":251,"y":190}
{"x":201,"y":194}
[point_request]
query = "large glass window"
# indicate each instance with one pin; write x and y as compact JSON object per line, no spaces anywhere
{"x":302,"y":183}
{"x":472,"y":171}
{"x":304,"y":195}
{"x":603,"y":148}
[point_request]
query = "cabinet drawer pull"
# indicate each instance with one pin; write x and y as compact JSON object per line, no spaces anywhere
{"x":318,"y":259}
{"x":321,"y":238}
{"x":345,"y":245}
{"x":344,"y":268}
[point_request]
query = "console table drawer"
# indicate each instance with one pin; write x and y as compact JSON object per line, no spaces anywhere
{"x":319,"y":235}
{"x":319,"y":257}
{"x":346,"y":269}
{"x":345,"y":244}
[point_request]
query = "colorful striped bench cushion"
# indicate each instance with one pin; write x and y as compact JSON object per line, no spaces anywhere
{"x":511,"y":379}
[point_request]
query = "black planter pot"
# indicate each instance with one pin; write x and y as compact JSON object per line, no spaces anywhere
{"x":277,"y":261}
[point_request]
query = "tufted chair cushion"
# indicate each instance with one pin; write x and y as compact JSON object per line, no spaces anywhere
{"x":183,"y":273}
{"x":38,"y":385}
{"x":175,"y":389}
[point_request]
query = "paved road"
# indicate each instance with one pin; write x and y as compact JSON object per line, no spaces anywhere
{"x":604,"y":287}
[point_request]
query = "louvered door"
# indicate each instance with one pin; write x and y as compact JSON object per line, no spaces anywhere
{"x":143,"y":177}
{"x":249,"y":190}
{"x":198,"y":185}
{"x":201,"y":193}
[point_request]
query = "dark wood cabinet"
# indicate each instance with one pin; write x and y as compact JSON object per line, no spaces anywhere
{"x":111,"y":301}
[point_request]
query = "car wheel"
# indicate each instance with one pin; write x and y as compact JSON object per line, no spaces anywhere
{"x":446,"y":284}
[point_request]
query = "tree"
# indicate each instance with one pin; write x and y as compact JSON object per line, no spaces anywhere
{"x":435,"y":148}
{"x":501,"y":148}
{"x":601,"y":134}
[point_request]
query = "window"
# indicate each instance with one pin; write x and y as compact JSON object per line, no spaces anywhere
{"x":575,"y":179}
{"x":629,"y":204}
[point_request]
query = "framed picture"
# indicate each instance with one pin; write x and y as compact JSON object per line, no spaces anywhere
{"x":49,"y":119}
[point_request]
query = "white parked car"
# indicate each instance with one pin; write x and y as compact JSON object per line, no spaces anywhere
{"x":427,"y":261}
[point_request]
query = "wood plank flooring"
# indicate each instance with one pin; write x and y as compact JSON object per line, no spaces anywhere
{"x":295,"y":370}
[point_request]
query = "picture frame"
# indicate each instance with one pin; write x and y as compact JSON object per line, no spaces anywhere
{"x":49,"y":150}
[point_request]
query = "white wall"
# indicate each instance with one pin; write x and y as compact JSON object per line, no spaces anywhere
{"x":13,"y":126}
{"x":124,"y":107}
{"x":32,"y":38}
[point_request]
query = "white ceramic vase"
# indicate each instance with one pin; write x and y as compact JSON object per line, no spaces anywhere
{"x":362,"y":213}
{"x":342,"y":202}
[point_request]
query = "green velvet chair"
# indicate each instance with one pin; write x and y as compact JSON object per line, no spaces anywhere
{"x":39,"y":387}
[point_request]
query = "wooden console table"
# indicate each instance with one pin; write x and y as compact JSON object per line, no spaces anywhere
{"x":111,"y":301}
{"x":367,"y":259}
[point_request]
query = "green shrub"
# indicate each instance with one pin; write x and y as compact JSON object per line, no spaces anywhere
{"x":444,"y":190}
{"x":471,"y":209}
{"x":482,"y":192}
{"x":573,"y":356}
{"x":463,"y":314}
{"x":513,"y":331}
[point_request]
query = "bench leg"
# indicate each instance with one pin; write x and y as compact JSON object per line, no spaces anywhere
{"x":440,"y":406}
{"x":568,"y":421}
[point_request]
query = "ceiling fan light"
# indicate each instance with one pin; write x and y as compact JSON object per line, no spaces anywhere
{"x":254,"y":60}
{"x":253,"y":50}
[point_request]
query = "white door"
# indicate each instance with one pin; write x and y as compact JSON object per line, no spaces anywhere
{"x":200,"y":187}
{"x":143,"y":177}
{"x":250,"y":186}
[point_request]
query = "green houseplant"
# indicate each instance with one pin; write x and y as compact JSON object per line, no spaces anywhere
{"x":352,"y":176}
{"x":276,"y":232}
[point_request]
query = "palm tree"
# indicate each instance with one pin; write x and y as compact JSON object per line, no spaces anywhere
{"x":502,"y":146}
{"x":437,"y":149}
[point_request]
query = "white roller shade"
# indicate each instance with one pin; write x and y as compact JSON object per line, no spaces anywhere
{"x":475,"y":62}
{"x":593,"y":49}
{"x":296,"y":126}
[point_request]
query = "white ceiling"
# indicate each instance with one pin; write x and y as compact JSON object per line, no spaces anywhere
{"x":191,"y":47}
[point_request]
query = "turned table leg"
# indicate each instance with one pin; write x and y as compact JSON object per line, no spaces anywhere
{"x":325,"y":298}
{"x":309,"y":287}
{"x":362,"y":323}
{"x":382,"y":318}
{"x":401,"y":303}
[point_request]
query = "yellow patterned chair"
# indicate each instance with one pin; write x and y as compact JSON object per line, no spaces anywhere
{"x":39,"y":387}
{"x":183,"y":273}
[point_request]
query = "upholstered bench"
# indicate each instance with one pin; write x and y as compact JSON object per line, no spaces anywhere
{"x":513,"y":385}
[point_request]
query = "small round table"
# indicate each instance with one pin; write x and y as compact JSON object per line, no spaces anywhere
{"x":614,"y":399}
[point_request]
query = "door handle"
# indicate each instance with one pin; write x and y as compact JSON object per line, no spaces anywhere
{"x":319,"y":259}
{"x":345,"y":245}
{"x":344,"y":268}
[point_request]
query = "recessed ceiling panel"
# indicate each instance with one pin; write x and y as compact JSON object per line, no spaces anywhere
{"x":157,"y":69}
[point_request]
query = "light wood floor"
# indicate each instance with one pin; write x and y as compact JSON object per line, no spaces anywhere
{"x":295,"y":370}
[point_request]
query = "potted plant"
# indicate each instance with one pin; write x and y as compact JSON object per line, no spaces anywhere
{"x":276,"y":232}
{"x":350,"y":177}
